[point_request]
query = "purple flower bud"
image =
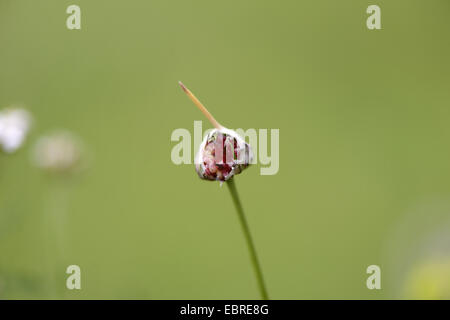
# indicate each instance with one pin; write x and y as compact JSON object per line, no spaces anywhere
{"x":222,"y":154}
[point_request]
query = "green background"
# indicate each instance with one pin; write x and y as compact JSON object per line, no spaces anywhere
{"x":364,"y":146}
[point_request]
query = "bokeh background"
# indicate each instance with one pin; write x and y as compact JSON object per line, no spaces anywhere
{"x":364,"y":148}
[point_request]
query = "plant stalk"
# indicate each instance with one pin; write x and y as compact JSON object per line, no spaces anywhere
{"x":248,"y":238}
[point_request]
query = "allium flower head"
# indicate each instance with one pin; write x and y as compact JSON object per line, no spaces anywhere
{"x":222,"y":154}
{"x":14,"y":126}
{"x":58,"y":152}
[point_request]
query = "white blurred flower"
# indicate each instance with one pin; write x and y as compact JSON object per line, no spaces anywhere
{"x":14,"y":126}
{"x":58,"y":152}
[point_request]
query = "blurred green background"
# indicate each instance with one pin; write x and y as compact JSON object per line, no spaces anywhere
{"x":364,"y":148}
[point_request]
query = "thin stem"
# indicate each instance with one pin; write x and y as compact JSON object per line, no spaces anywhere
{"x":199,"y":105}
{"x":56,"y":211}
{"x":248,"y":238}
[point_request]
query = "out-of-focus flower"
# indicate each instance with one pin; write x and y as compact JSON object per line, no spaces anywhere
{"x":429,"y":279}
{"x":59,"y":152}
{"x":14,"y":126}
{"x":417,"y":260}
{"x":222,"y":154}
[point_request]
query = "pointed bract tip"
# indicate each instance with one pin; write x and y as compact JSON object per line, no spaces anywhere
{"x":182,"y":86}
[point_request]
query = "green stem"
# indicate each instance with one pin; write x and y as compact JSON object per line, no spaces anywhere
{"x":248,"y":238}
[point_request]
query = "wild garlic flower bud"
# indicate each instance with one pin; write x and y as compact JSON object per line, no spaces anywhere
{"x":59,"y":152}
{"x":222,"y":154}
{"x":14,"y":126}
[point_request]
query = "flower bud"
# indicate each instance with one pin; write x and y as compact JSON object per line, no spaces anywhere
{"x":222,"y":154}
